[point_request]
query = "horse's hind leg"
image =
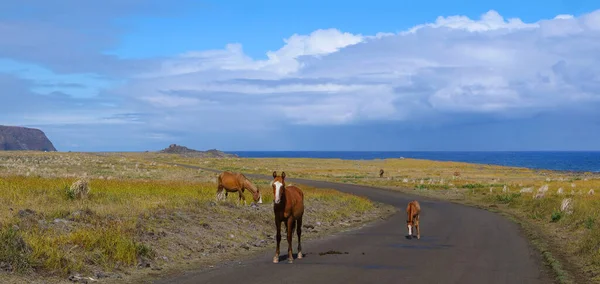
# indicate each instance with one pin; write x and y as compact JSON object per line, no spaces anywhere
{"x":278,"y":238}
{"x":290,"y":231}
{"x":299,"y":224}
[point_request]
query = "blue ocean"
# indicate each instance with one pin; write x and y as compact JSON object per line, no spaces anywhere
{"x":584,"y":161}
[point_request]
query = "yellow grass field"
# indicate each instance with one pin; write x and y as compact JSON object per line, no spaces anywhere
{"x":530,"y":197}
{"x":140,"y":218}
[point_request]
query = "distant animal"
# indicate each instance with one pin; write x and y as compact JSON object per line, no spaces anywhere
{"x":231,"y":182}
{"x":381,"y":173}
{"x":413,"y":210}
{"x":456,"y":174}
{"x":288,"y":206}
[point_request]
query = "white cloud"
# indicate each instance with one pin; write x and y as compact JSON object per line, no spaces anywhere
{"x":319,"y":42}
{"x":454,"y":65}
{"x":564,"y":17}
{"x":279,"y":62}
{"x":489,"y":21}
{"x":171,"y":101}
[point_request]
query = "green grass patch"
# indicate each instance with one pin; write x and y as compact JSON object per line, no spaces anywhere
{"x":506,"y":198}
{"x":14,"y":250}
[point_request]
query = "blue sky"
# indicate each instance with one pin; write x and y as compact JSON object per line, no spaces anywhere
{"x":137,"y":75}
{"x":261,"y":25}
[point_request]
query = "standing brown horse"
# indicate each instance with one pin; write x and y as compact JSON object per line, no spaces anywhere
{"x":233,"y":182}
{"x":381,"y":173}
{"x":413,"y":210}
{"x":288,"y":207}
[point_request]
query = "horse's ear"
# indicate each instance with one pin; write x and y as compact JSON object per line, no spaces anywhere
{"x":274,"y":174}
{"x":283,"y":175}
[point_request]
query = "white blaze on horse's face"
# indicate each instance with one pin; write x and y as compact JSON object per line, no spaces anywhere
{"x":278,"y":186}
{"x":410,"y":230}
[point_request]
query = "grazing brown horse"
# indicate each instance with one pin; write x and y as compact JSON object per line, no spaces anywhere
{"x":413,"y":210}
{"x":288,"y":206}
{"x":381,"y":173}
{"x":233,"y":182}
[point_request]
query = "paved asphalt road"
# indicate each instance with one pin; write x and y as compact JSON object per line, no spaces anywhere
{"x":458,"y":244}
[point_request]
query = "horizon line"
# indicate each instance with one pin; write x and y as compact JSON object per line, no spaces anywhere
{"x":330,"y":151}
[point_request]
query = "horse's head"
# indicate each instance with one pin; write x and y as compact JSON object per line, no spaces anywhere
{"x":257,"y":196}
{"x":278,"y":185}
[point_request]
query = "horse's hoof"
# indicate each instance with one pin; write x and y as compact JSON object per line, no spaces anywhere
{"x":299,"y":255}
{"x":276,"y":259}
{"x":290,"y":260}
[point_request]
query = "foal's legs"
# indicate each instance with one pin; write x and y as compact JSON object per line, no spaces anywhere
{"x":278,"y":225}
{"x":418,"y":227}
{"x":299,"y":224}
{"x":290,"y":231}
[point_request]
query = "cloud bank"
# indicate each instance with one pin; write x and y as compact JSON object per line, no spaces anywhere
{"x":448,"y":73}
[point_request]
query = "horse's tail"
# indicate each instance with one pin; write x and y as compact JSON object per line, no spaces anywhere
{"x":219,"y":186}
{"x":220,"y":180}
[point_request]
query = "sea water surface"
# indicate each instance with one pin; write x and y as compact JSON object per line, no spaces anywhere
{"x":581,"y":161}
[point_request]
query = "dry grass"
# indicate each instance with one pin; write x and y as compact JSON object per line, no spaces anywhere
{"x":152,"y":216}
{"x":574,"y":238}
{"x":107,"y":166}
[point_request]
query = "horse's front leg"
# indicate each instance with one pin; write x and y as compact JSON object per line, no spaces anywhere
{"x":278,"y":238}
{"x":290,"y":231}
{"x":242,"y":197}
